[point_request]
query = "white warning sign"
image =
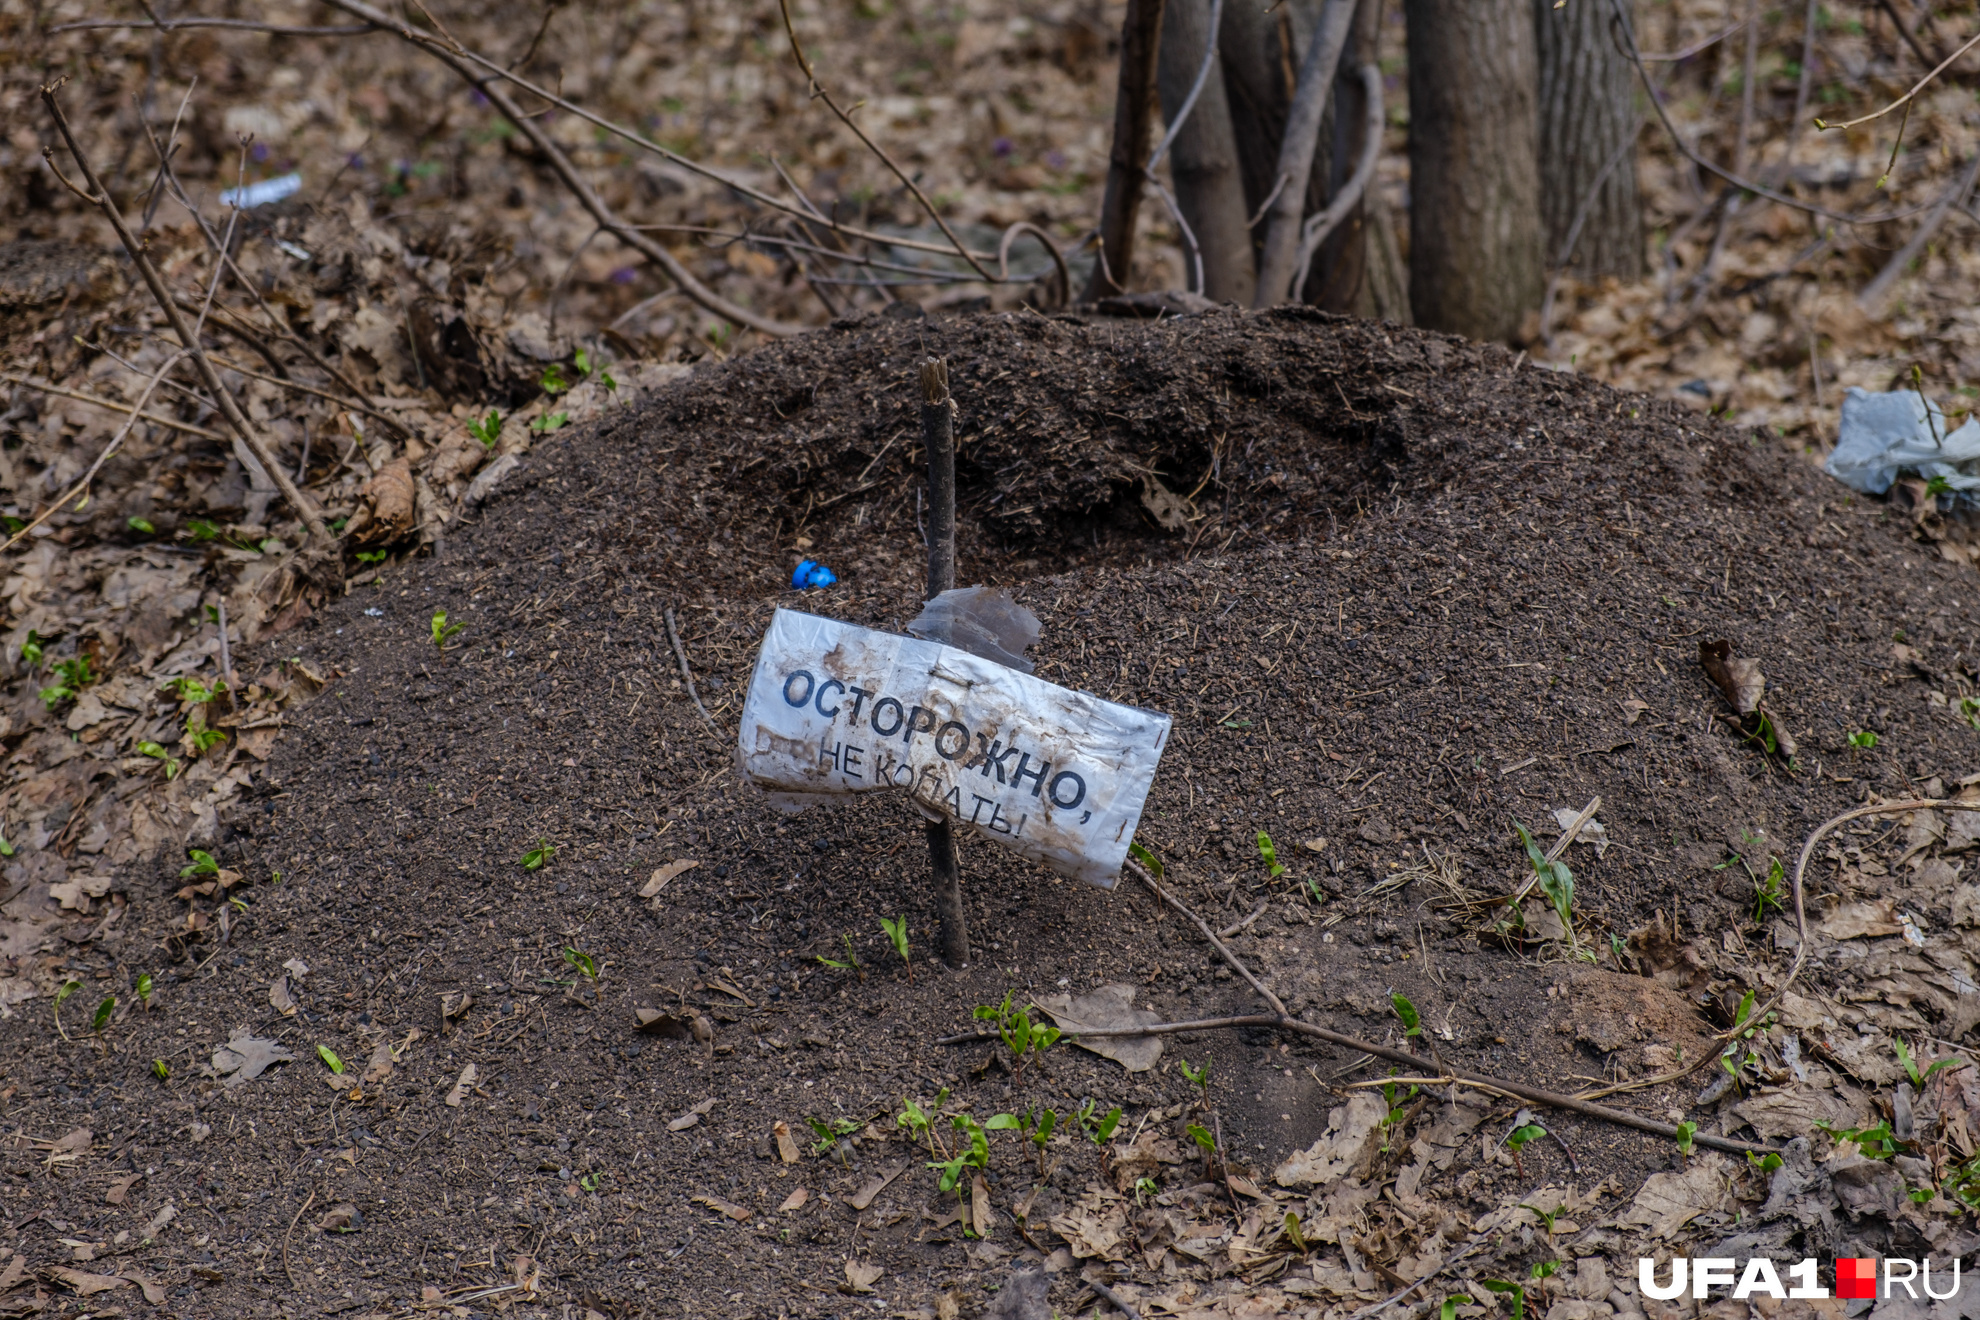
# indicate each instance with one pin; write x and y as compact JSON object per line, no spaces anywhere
{"x":1056,"y":775}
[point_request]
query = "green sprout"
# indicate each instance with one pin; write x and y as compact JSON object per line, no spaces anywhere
{"x":1863,"y":739}
{"x":1687,"y":1137}
{"x":1768,"y":891}
{"x":1513,"y":1291}
{"x":897,"y":935}
{"x":1768,"y":1163}
{"x":1555,"y":881}
{"x":1411,"y":1020}
{"x":1918,"y":1079}
{"x":1199,"y":1078}
{"x":1969,"y":710}
{"x":851,"y":963}
{"x":552,"y":381}
{"x":31,"y":649}
{"x":1273,"y":869}
{"x":1876,"y":1142}
{"x":101,"y":1018}
{"x":371,"y":556}
{"x":1026,"y":1042}
{"x":141,"y":525}
{"x":161,"y":1069}
{"x":6,"y":849}
{"x":536,"y":857}
{"x":592,"y":1181}
{"x":832,"y":1134}
{"x":144,"y":989}
{"x":586,"y":965}
{"x":1145,"y":1187}
{"x":1205,"y":1142}
{"x":1449,"y":1309}
{"x":1517,"y":1139}
{"x":202,"y":864}
{"x":442,"y":630}
{"x":488,"y":430}
{"x":918,"y":1123}
{"x":549,"y":422}
{"x":1149,"y":860}
{"x":68,"y":988}
{"x":1040,"y":1132}
{"x":199,"y":529}
{"x":201,"y":737}
{"x":330,"y":1059}
{"x":604,"y":377}
{"x":75,"y":675}
{"x":1099,"y":1128}
{"x":158,"y":753}
{"x":195,"y":693}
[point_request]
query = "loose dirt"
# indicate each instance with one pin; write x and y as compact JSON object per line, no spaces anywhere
{"x":1414,"y":589}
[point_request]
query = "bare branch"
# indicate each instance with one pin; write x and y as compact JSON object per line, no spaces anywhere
{"x":1906,"y":99}
{"x":1280,"y":259}
{"x":1325,"y":222}
{"x":237,"y":24}
{"x":156,"y":419}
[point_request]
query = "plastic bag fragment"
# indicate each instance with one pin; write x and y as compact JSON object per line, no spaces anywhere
{"x":1884,"y":435}
{"x":983,"y":621}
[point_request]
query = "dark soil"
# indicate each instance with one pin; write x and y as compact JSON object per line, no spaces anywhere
{"x":1424,"y":580}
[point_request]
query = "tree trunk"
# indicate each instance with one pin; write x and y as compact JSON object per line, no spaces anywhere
{"x":1475,"y":260}
{"x":1260,"y":52}
{"x":1588,"y":124}
{"x":1342,"y":279}
{"x":1203,"y":160}
{"x":1134,"y":106}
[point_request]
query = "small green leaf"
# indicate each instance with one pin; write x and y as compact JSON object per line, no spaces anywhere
{"x":583,"y":962}
{"x":1203,"y":1138}
{"x":1148,"y":860}
{"x":68,"y":988}
{"x":1270,"y":854}
{"x":371,"y":556}
{"x":1687,"y":1132}
{"x":1451,"y":1304}
{"x":101,"y":1018}
{"x":141,"y":525}
{"x":552,"y":380}
{"x":329,"y":1057}
{"x":534,"y":859}
{"x":160,"y":1069}
{"x":488,"y":430}
{"x":144,"y":988}
{"x":550,"y":422}
{"x":1412,"y":1022}
{"x":1001,"y":1123}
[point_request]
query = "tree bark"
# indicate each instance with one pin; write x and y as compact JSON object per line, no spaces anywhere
{"x":1203,"y":160}
{"x":1475,"y":257}
{"x":938,"y":437}
{"x":1342,"y":280}
{"x":1134,"y":117}
{"x":1587,"y":116}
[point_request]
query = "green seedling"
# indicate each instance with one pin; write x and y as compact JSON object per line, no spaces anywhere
{"x":203,"y":738}
{"x":1769,"y":892}
{"x":1969,"y":710}
{"x":144,"y":984}
{"x":199,"y":530}
{"x":195,"y":693}
{"x":488,"y":430}
{"x":330,"y":1059}
{"x":1556,"y":881}
{"x":972,"y":1152}
{"x":1513,"y":1292}
{"x":592,"y":1181}
{"x":898,"y":937}
{"x":599,"y":373}
{"x":1099,"y":1128}
{"x":1039,"y":1132}
{"x":1449,"y":1309}
{"x":1205,"y":1141}
{"x":1547,"y":1217}
{"x":1918,"y":1079}
{"x":1411,"y":1020}
{"x":549,"y":422}
{"x":1395,"y":1101}
{"x":202,"y":864}
{"x":158,"y":753}
{"x":1863,"y":739}
{"x":1687,"y":1137}
{"x":75,"y":675}
{"x":586,"y":965}
{"x":832,"y":1134}
{"x":6,"y":849}
{"x":1876,"y":1142}
{"x":371,"y":556}
{"x":536,"y":858}
{"x":1517,"y":1139}
{"x":1145,"y":1187}
{"x":161,"y":1069}
{"x":1026,"y":1042}
{"x":851,"y":964}
{"x":1735,"y":1060}
{"x":919,"y":1125}
{"x":1198,"y":1077}
{"x":552,"y":380}
{"x":442,"y":630}
{"x":1295,"y":1233}
{"x":1763,"y":1164}
{"x":1146,"y":858}
{"x":31,"y":649}
{"x":1273,"y":869}
{"x":68,"y":988}
{"x":101,"y":1017}
{"x":141,"y":525}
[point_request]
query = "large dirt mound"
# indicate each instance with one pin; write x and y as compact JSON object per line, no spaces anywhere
{"x":1425,"y":591}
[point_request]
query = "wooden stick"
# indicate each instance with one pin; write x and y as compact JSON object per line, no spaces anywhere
{"x":100,"y":197}
{"x":1236,"y":962}
{"x":680,"y":654}
{"x":1134,"y":103}
{"x":114,"y":406}
{"x":938,"y":437}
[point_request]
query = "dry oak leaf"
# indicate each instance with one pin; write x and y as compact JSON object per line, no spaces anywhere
{"x":85,"y":1283}
{"x":796,"y":1200}
{"x":1741,"y":683}
{"x":663,"y":875}
{"x":246,"y":1056}
{"x":861,"y":1276}
{"x":387,"y":502}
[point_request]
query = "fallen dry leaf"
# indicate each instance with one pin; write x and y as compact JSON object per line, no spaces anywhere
{"x":87,"y":1284}
{"x":1669,"y":1201}
{"x":342,"y":1218}
{"x":281,"y":1000}
{"x":1633,"y":710}
{"x":1740,"y":681}
{"x":16,"y":1271}
{"x":979,"y":1206}
{"x":796,"y":1200}
{"x":463,"y":1086}
{"x":729,"y":1208}
{"x":656,"y":1023}
{"x":875,"y":1185}
{"x":153,"y":1291}
{"x":861,"y":1276}
{"x":691,"y":1117}
{"x":1854,"y":921}
{"x":787,"y":1148}
{"x":1109,"y":1007}
{"x":246,"y":1056}
{"x":385,"y":513}
{"x":665,"y":874}
{"x":380,"y":1066}
{"x":115,"y":1193}
{"x":1351,"y":1131}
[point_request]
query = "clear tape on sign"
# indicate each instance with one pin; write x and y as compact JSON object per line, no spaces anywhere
{"x":1055,"y":775}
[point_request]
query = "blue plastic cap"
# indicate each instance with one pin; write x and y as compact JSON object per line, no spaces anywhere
{"x":810,"y":573}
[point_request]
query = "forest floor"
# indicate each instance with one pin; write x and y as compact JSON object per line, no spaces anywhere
{"x":1419,"y":590}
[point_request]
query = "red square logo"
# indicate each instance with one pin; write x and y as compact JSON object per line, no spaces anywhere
{"x":1856,"y":1276}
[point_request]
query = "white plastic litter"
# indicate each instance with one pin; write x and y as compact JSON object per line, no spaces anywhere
{"x":1054,"y":775}
{"x":261,"y":194}
{"x":1884,"y":436}
{"x":982,"y":621}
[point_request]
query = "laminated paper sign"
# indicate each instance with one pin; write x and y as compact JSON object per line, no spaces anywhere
{"x":1056,"y":775}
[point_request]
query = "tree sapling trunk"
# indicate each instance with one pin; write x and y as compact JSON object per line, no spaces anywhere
{"x":938,"y":436}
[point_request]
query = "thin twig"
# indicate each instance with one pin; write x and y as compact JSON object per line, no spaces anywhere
{"x":237,"y":24}
{"x":1237,"y":926}
{"x":1324,"y":222}
{"x":1906,"y":99}
{"x":1236,"y":962}
{"x":155,"y":418}
{"x":1279,"y":257}
{"x":1113,"y":1299}
{"x":680,"y":654}
{"x":288,"y":1268}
